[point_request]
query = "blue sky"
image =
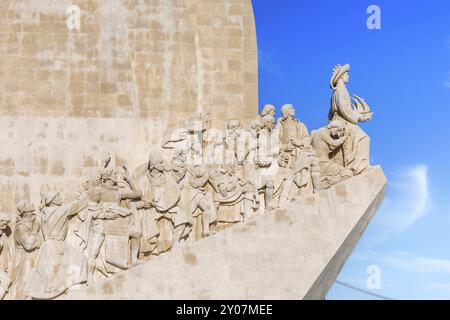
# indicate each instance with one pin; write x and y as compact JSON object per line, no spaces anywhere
{"x":403,"y":72}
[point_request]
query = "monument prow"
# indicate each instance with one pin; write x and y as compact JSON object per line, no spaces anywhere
{"x":293,"y":253}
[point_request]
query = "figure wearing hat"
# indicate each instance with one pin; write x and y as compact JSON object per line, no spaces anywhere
{"x":355,"y":152}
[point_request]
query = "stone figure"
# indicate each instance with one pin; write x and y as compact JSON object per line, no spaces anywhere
{"x":327,"y":142}
{"x":268,"y":109}
{"x":355,"y":152}
{"x":6,"y":252}
{"x":265,"y":160}
{"x":198,"y":201}
{"x":234,"y":197}
{"x":178,"y":165}
{"x":59,"y":266}
{"x":292,"y":133}
{"x":109,"y":224}
{"x":161,"y":202}
{"x":189,"y":137}
{"x":27,"y":238}
{"x":301,"y":180}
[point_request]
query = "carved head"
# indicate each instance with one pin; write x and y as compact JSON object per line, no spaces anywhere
{"x":268,"y":109}
{"x":108,"y":177}
{"x":283,"y":160}
{"x":156,"y":162}
{"x":234,"y":127}
{"x":53,"y":197}
{"x":25,"y":207}
{"x":339,"y":72}
{"x":180,"y":155}
{"x":4,"y":221}
{"x":268,"y":121}
{"x":336,"y":129}
{"x":288,"y":111}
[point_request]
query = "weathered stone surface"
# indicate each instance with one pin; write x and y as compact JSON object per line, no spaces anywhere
{"x":132,"y":71}
{"x":295,"y":253}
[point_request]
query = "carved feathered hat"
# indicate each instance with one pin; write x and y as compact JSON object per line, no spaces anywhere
{"x":338,"y":72}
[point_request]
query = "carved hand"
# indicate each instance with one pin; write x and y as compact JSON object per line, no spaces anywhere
{"x":223,"y":190}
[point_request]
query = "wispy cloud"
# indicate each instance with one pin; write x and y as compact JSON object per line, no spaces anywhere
{"x":408,"y":200}
{"x":407,"y":261}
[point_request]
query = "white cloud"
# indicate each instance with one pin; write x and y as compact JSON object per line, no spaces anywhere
{"x":408,"y":200}
{"x":418,"y":264}
{"x":406,"y":261}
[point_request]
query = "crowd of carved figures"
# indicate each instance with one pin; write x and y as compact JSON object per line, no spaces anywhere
{"x":212,"y":180}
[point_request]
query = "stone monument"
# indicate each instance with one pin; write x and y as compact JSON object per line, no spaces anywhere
{"x":133,"y":146}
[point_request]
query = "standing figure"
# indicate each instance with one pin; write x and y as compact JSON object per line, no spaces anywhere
{"x":105,"y":213}
{"x":234,"y":197}
{"x":198,"y":202}
{"x":6,"y":253}
{"x":27,"y":239}
{"x":355,"y":151}
{"x":161,"y":202}
{"x":292,"y":133}
{"x":59,"y":266}
{"x":265,"y":161}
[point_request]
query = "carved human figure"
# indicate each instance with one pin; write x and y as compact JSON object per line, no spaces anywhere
{"x":234,"y":197}
{"x":189,"y":137}
{"x":198,"y":201}
{"x":355,"y":153}
{"x":301,"y":180}
{"x":161,"y":199}
{"x":327,"y":142}
{"x":266,"y":160}
{"x":6,"y":252}
{"x":292,"y":133}
{"x":105,"y":207}
{"x":27,"y":238}
{"x":178,"y":165}
{"x":59,"y":266}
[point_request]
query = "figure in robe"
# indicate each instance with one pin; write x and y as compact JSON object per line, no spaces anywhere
{"x":265,"y":165}
{"x":111,"y":230}
{"x":233,"y":196}
{"x":303,"y":179}
{"x":292,"y":133}
{"x":27,"y":238}
{"x":355,"y":154}
{"x":59,"y":266}
{"x":6,"y":252}
{"x":196,"y":200}
{"x":327,"y":142}
{"x":161,"y":203}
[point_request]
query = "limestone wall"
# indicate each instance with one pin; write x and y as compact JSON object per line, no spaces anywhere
{"x":135,"y":69}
